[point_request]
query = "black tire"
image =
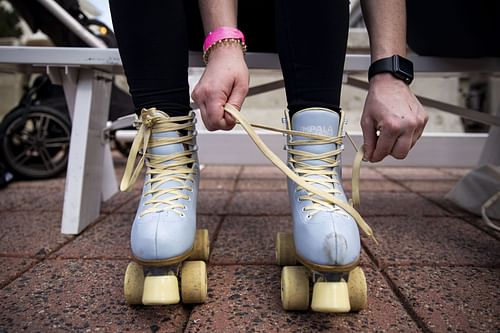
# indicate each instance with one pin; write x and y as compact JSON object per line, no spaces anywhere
{"x":34,"y":141}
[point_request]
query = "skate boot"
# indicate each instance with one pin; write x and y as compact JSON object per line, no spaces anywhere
{"x":325,"y":236}
{"x":164,"y":231}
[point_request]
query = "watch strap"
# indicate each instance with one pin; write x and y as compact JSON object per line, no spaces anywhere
{"x":400,"y":67}
{"x":383,"y":65}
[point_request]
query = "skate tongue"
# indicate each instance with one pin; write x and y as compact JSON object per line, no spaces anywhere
{"x":317,"y":121}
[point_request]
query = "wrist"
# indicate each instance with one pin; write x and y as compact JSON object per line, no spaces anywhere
{"x":226,"y":50}
{"x":385,"y":53}
{"x":223,"y":37}
{"x":386,"y":78}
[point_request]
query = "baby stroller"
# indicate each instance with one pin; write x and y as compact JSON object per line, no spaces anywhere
{"x":35,"y":135}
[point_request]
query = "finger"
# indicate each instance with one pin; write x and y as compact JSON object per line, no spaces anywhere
{"x":238,"y":94}
{"x":416,"y":135}
{"x":230,"y":121}
{"x":419,"y":130}
{"x":204,"y":116}
{"x":369,"y":138}
{"x":215,"y":112}
{"x":385,"y":143}
{"x":402,"y":146}
{"x":236,"y":99}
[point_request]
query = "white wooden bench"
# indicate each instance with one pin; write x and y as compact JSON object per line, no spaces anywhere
{"x":86,"y":75}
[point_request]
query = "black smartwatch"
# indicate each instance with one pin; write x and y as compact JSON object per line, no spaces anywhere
{"x":398,"y":66}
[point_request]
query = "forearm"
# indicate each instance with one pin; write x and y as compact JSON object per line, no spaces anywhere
{"x":217,"y":13}
{"x":386,"y":24}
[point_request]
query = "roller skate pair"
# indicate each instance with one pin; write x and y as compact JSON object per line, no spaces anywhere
{"x":165,"y":243}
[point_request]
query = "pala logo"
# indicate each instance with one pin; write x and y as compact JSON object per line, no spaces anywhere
{"x":321,"y":130}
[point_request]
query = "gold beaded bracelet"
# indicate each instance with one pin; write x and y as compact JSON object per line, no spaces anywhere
{"x":224,"y":42}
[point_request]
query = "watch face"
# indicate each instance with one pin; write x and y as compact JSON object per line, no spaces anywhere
{"x":402,"y":68}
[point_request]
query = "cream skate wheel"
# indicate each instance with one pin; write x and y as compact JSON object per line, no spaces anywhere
{"x":194,"y":282}
{"x":285,"y":249}
{"x":294,"y":288}
{"x":358,"y":291}
{"x":201,"y":248}
{"x":332,"y":297}
{"x":133,"y":284}
{"x":160,"y":290}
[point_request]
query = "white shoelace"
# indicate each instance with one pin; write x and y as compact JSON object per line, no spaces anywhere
{"x":177,"y":167}
{"x":325,"y":197}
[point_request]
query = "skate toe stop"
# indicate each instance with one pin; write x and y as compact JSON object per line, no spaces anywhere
{"x":160,"y":290}
{"x":330,"y":297}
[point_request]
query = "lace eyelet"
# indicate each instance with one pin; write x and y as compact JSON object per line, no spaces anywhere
{"x":183,"y":215}
{"x":303,"y":209}
{"x":308,"y":217}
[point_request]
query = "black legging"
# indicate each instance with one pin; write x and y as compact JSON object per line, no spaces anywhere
{"x":154,"y":38}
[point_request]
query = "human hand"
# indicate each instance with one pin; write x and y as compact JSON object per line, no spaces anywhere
{"x":391,"y":108}
{"x":225,"y":80}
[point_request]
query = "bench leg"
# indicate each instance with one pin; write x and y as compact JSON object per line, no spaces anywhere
{"x":88,"y":152}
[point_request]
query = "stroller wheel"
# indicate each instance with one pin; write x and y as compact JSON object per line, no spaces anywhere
{"x":35,"y":141}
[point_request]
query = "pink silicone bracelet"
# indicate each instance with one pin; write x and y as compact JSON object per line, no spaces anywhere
{"x":222,"y":33}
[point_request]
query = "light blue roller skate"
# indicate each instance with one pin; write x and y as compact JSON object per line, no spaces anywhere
{"x":164,"y":231}
{"x":325,"y":236}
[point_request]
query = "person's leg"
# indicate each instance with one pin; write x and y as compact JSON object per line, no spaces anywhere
{"x":152,"y":38}
{"x":312,"y":43}
{"x":312,"y":40}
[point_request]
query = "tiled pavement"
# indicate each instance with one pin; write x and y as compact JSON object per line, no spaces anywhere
{"x":436,"y":268}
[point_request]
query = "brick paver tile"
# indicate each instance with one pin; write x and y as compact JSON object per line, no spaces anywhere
{"x":366,"y":173}
{"x":212,"y":202}
{"x":217,"y":184}
{"x":247,"y":299}
{"x":30,"y":199}
{"x":247,"y":239}
{"x":431,"y":241}
{"x":259,"y":203}
{"x":57,"y":183}
{"x":220,"y":171}
{"x":481,"y":224}
{"x":375,"y":186}
{"x":405,"y":204}
{"x":436,"y":185}
{"x":30,"y":234}
{"x":53,"y":200}
{"x":117,"y":201}
{"x":80,"y":296}
{"x":261,"y":185}
{"x":262,"y":172}
{"x":456,"y":172}
{"x":111,"y":238}
{"x":12,"y":267}
{"x":440,"y":200}
{"x":452,"y":299}
{"x":251,"y":240}
{"x":405,"y":173}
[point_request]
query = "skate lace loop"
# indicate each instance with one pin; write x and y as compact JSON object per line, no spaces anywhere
{"x":307,"y":169}
{"x":177,"y":168}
